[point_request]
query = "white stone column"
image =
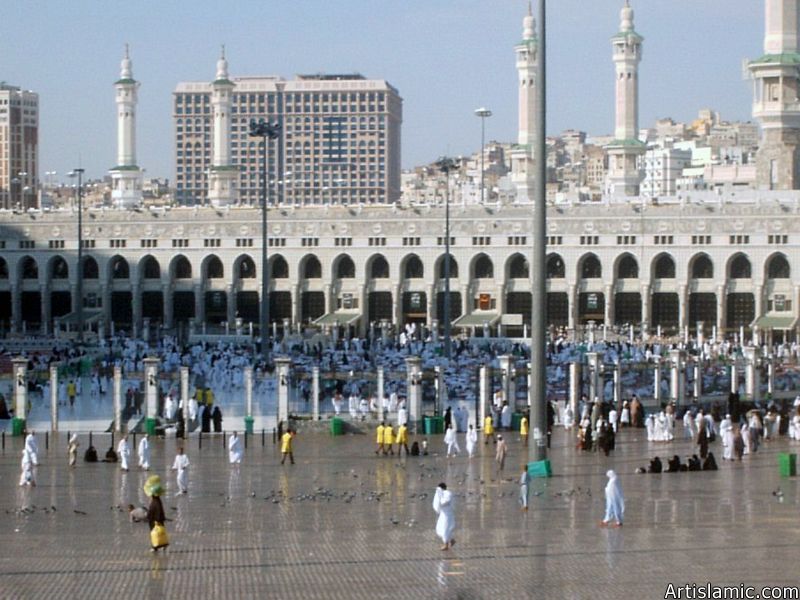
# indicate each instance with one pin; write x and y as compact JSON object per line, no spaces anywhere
{"x":721,"y":298}
{"x":151,"y":386}
{"x":54,"y":398}
{"x":608,"y":313}
{"x":593,"y":361}
{"x":315,"y":392}
{"x":574,"y":388}
{"x":20,"y":369}
{"x":734,"y":377}
{"x":701,"y":335}
{"x":199,"y":306}
{"x":116,"y":395}
{"x":230,"y":305}
{"x":646,"y":304}
{"x":282,"y":365}
{"x":185,"y":399}
{"x":414,"y":381}
{"x":380,"y":393}
{"x":771,"y":376}
{"x":683,"y":307}
{"x":248,"y":391}
{"x":572,"y":306}
{"x":16,"y":308}
{"x":657,"y":381}
{"x":676,"y":387}
{"x":440,"y":391}
{"x":44,"y":295}
{"x":617,"y":384}
{"x":751,"y":355}
{"x":484,"y":393}
{"x":698,"y":379}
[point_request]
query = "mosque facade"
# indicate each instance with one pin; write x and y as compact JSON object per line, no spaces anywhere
{"x":727,"y":264}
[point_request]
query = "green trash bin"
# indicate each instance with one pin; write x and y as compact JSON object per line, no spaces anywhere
{"x":540,"y":468}
{"x":439,"y":424}
{"x":248,"y":425}
{"x":150,"y":426}
{"x":787,"y":464}
{"x":428,"y":425}
{"x":17,"y":426}
{"x":516,"y":419}
{"x":337,"y":426}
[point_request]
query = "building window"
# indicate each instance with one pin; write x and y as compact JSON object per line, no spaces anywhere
{"x":309,"y":242}
{"x":150,"y":243}
{"x":517,"y":240}
{"x":27,"y":244}
{"x":274,"y":242}
{"x":554,"y":240}
{"x":55,"y":244}
{"x":377,"y":241}
{"x":778,"y":239}
{"x":212,"y":243}
{"x":343,"y":241}
{"x":701,"y":240}
{"x":412,"y":241}
{"x":626,"y":240}
{"x":738,"y":240}
{"x":590,"y":240}
{"x":442,"y":241}
{"x":180,"y":243}
{"x":245,"y":242}
{"x":481,"y":240}
{"x":117,"y":243}
{"x":663,"y":240}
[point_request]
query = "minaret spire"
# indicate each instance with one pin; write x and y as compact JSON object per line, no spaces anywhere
{"x":223,"y":175}
{"x":126,"y":176}
{"x":522,"y":155}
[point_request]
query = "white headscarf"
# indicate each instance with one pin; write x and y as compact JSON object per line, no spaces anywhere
{"x":614,"y":491}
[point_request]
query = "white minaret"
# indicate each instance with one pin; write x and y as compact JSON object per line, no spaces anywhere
{"x":223,"y":175}
{"x":776,"y":105}
{"x":522,"y":155}
{"x":126,"y":176}
{"x":624,"y":175}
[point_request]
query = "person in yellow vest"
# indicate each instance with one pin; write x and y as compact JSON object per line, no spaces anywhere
{"x":488,"y":430}
{"x":523,"y":430}
{"x":402,"y":439}
{"x":209,"y":397}
{"x":286,"y":445}
{"x":388,"y":439}
{"x":379,"y":438}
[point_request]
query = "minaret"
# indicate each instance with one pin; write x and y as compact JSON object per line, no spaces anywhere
{"x":126,"y":176}
{"x":522,"y":155}
{"x":776,"y":106}
{"x":624,"y":175}
{"x":223,"y":175}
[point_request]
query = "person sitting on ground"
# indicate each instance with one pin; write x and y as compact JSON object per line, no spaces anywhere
{"x":91,"y":455}
{"x":111,"y":456}
{"x":137,"y":514}
{"x":694,"y":463}
{"x":655,"y":465}
{"x":710,"y":463}
{"x":674,"y":464}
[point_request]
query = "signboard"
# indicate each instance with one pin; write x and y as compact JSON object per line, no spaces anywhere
{"x":780,"y":302}
{"x":347,"y":301}
{"x":416,"y":301}
{"x":591,"y":302}
{"x":485,"y":301}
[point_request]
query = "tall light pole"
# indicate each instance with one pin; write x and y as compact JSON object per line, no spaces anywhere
{"x":538,"y":449}
{"x":266,"y":131}
{"x":484,"y":113}
{"x":445,"y":165}
{"x":79,"y":287}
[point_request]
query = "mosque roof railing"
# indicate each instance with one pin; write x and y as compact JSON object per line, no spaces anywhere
{"x":785,"y":58}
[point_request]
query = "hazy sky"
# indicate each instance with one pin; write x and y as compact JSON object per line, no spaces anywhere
{"x":447,"y":57}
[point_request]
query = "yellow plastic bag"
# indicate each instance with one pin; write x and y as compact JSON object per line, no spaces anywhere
{"x":158,"y":536}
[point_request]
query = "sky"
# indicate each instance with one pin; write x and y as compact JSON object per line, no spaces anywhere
{"x":446,"y":57}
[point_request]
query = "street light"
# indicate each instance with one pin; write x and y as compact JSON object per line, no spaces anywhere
{"x":484,"y":113}
{"x":266,"y":131}
{"x":79,"y":287}
{"x":445,"y":165}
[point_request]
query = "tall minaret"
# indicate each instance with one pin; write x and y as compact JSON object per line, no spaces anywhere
{"x":522,"y":155}
{"x":126,"y":176}
{"x":223,"y":175}
{"x":775,"y":103}
{"x":624,"y":175}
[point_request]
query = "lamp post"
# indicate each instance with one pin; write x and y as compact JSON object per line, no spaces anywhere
{"x":79,"y":308}
{"x":266,"y":131}
{"x":484,"y":113}
{"x":538,"y":450}
{"x":445,"y":165}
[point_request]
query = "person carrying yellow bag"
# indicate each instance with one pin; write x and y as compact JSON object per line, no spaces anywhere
{"x":155,"y":514}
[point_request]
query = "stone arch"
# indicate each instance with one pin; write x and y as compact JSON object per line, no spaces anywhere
{"x":344,"y":267}
{"x":244,"y":267}
{"x":777,"y":267}
{"x":627,"y":267}
{"x":278,"y":267}
{"x":3,"y":268}
{"x":378,"y":267}
{"x":412,"y":267}
{"x":739,"y":267}
{"x":517,"y":267}
{"x":701,"y":267}
{"x":149,"y":268}
{"x":482,"y":267}
{"x":440,"y":267}
{"x":212,"y":267}
{"x":590,"y":267}
{"x":118,"y":268}
{"x":310,"y":267}
{"x":554,"y":267}
{"x":90,"y":268}
{"x":58,"y":268}
{"x":664,"y":267}
{"x":180,"y":268}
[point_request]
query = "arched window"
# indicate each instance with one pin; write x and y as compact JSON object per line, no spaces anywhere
{"x":740,"y":268}
{"x":345,"y":268}
{"x":59,"y":268}
{"x":3,"y":269}
{"x":379,"y":268}
{"x":90,"y":268}
{"x":214,"y":268}
{"x":702,"y":268}
{"x":182,"y":268}
{"x":246,"y":268}
{"x":453,"y":267}
{"x":312,"y":268}
{"x":518,"y":268}
{"x":555,"y":267}
{"x":29,"y":269}
{"x":280,"y":268}
{"x":120,"y":268}
{"x":778,"y":268}
{"x":151,"y":269}
{"x":484,"y":269}
{"x":591,"y":268}
{"x":627,"y":268}
{"x":665,"y":267}
{"x":414,"y":268}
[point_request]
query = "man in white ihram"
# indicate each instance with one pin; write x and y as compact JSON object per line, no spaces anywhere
{"x":124,"y":451}
{"x":452,"y":443}
{"x":615,"y":502}
{"x":446,"y":523}
{"x":144,"y":453}
{"x":235,"y":451}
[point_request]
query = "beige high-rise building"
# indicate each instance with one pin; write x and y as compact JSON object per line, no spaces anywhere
{"x":340,"y":140}
{"x":19,"y":147}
